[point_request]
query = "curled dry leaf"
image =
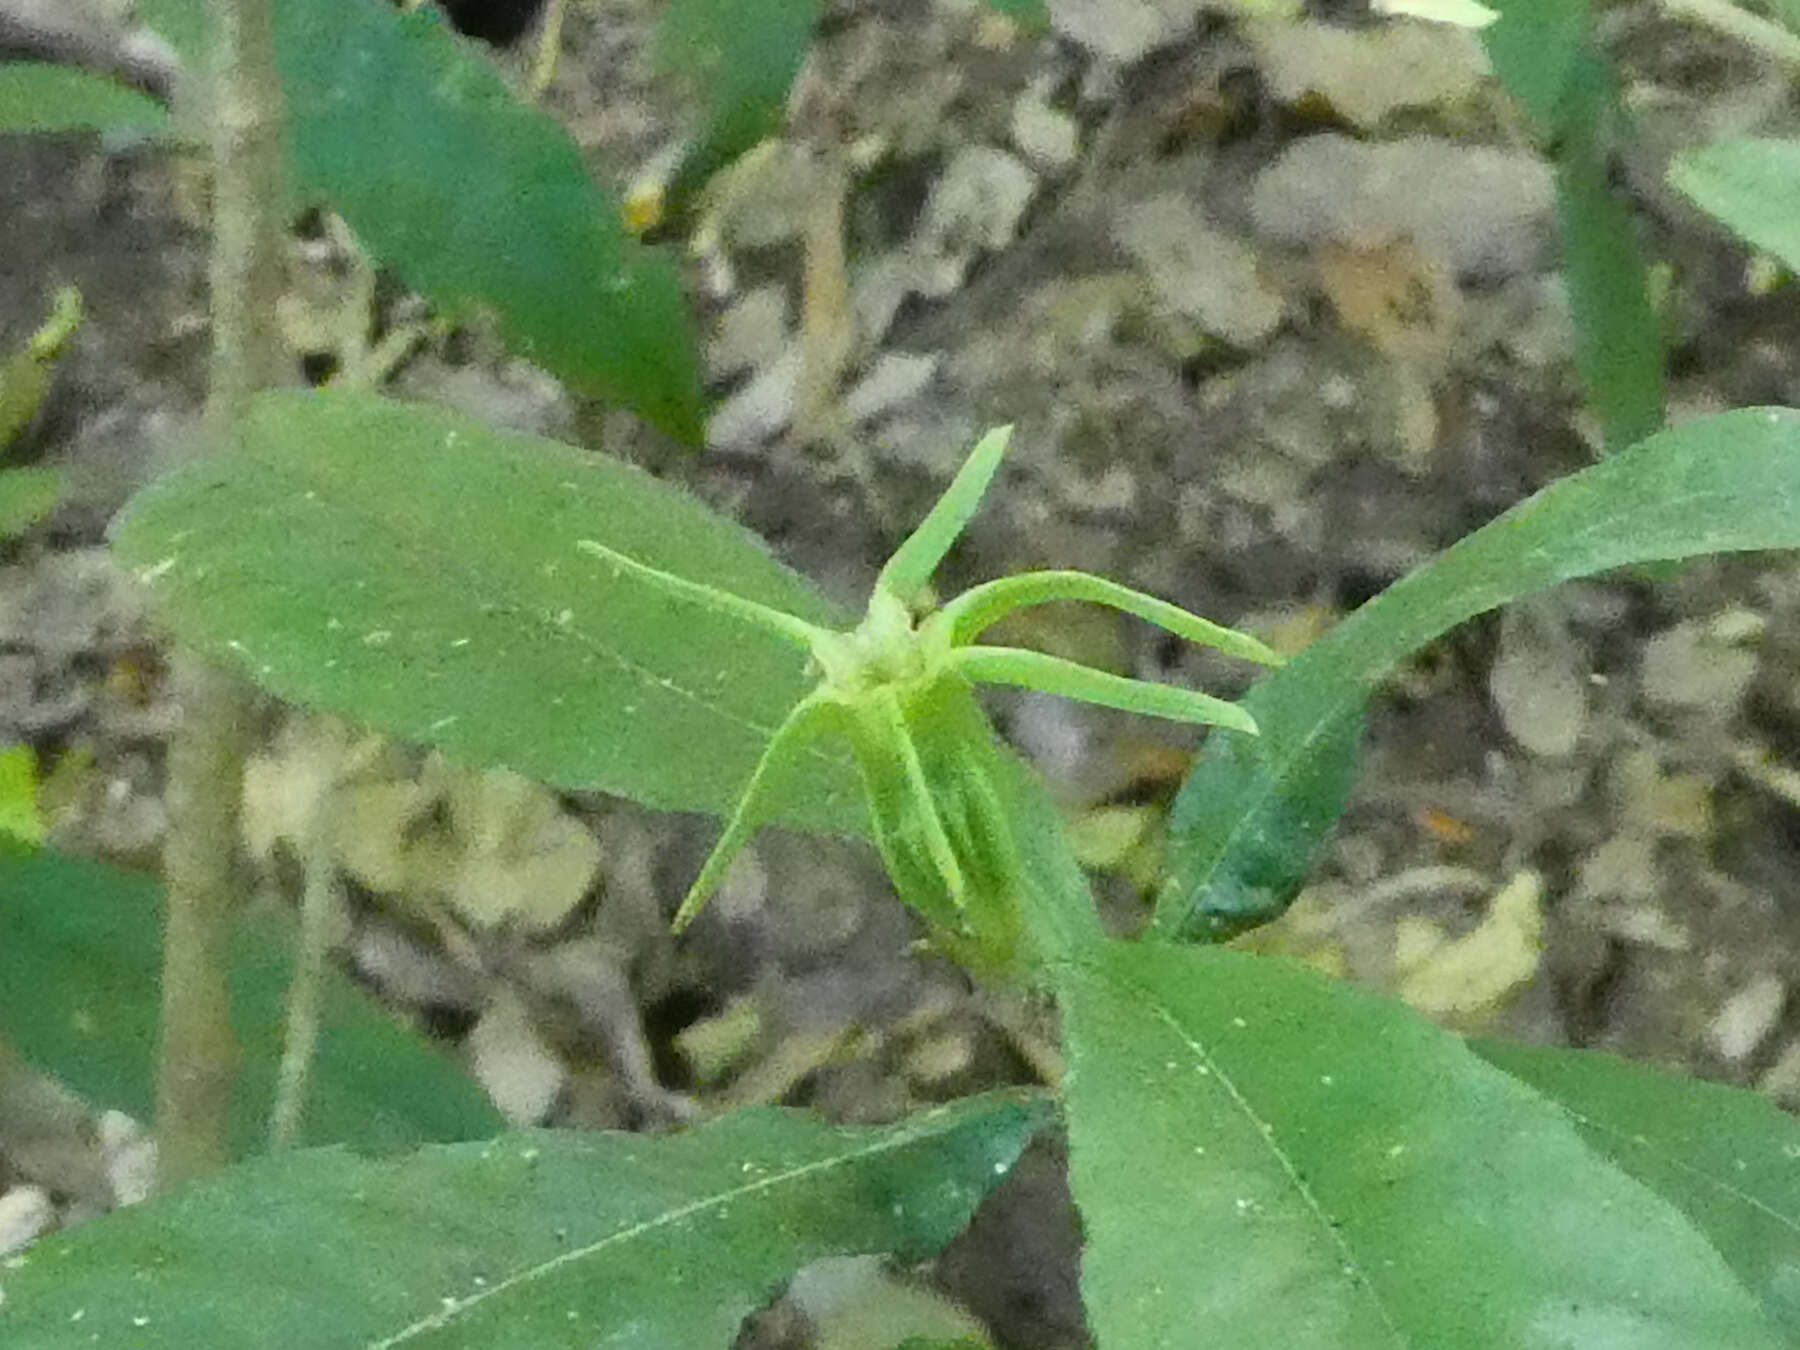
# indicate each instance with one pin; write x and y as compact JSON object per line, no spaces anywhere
{"x":500,"y":850}
{"x":519,"y":856}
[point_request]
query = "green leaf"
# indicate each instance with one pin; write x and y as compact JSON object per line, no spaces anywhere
{"x":415,"y":570}
{"x":1284,"y":1160}
{"x":80,"y":959}
{"x":1535,"y":47}
{"x":20,"y":820}
{"x":1270,"y":838}
{"x":183,"y":24}
{"x":1722,"y":1156}
{"x":739,"y":58}
{"x":1752,"y":185}
{"x":1784,"y":11}
{"x":472,"y":196}
{"x":907,"y":574}
{"x":537,"y":1239}
{"x":1618,"y":337}
{"x":26,"y":497}
{"x":1716,"y":485}
{"x":1031,"y":15}
{"x":39,"y":96}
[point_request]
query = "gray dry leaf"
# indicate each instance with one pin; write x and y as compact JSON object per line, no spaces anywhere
{"x":1747,"y":1018}
{"x":521,"y":1075}
{"x":99,"y":34}
{"x":1485,"y":212}
{"x":1367,"y":73}
{"x":750,"y":333}
{"x":761,"y":408}
{"x":1537,"y":686}
{"x":896,"y":378}
{"x":26,"y":1212}
{"x":1196,"y":271}
{"x":1049,"y":139}
{"x":855,"y":1303}
{"x":974,"y":207}
{"x":1122,"y":31}
{"x":1692,"y":666}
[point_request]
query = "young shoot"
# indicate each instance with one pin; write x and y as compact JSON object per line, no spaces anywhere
{"x":899,"y":688}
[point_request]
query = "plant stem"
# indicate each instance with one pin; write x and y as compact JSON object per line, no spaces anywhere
{"x":197,"y":1055}
{"x":543,"y":67}
{"x":306,"y":991}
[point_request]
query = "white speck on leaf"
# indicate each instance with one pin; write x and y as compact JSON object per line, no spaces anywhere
{"x":377,"y":637}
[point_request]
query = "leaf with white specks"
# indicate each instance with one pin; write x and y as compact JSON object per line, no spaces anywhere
{"x":1284,"y":1160}
{"x":420,"y":572}
{"x":541,"y":1239}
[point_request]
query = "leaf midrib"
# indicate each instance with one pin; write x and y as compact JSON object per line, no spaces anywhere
{"x":943,"y":1121}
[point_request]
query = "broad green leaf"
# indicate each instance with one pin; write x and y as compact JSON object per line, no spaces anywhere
{"x":413,"y":569}
{"x":1281,"y":1159}
{"x":739,"y":58}
{"x":1717,"y":485}
{"x":39,"y":96}
{"x":1271,"y":837}
{"x":538,"y":1239}
{"x":1535,"y":47}
{"x":1618,"y":337}
{"x":472,"y":196}
{"x":1752,"y":185}
{"x":1722,"y":1156}
{"x":26,"y":497}
{"x":80,"y":957}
